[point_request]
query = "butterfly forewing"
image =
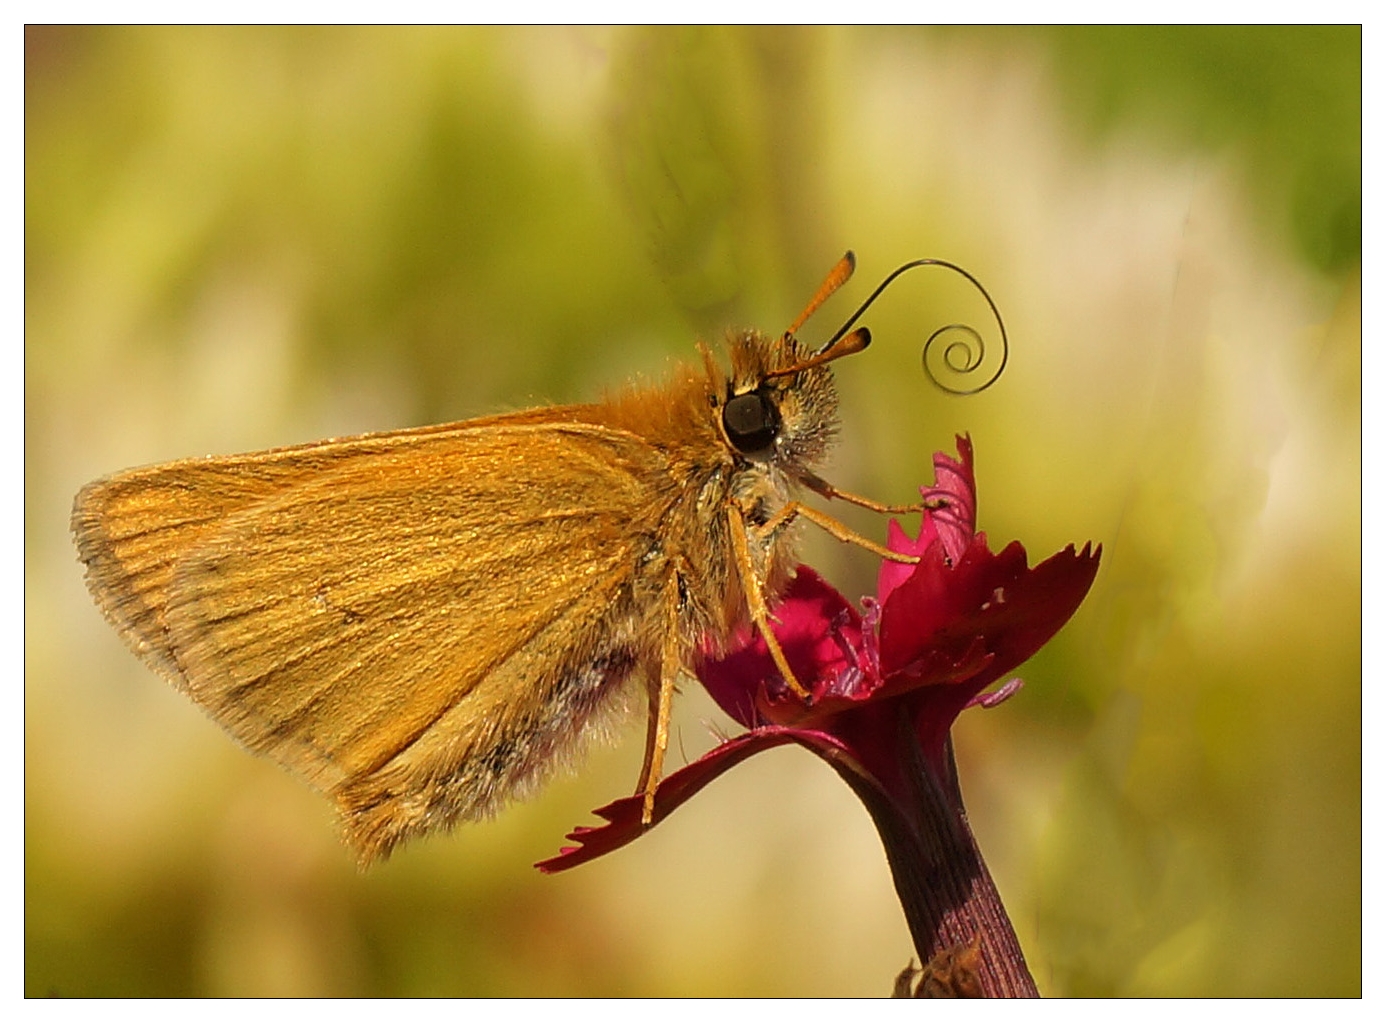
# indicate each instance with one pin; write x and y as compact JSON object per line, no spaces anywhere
{"x":450,"y":640}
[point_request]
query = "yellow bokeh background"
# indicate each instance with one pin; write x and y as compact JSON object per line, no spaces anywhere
{"x":244,"y":238}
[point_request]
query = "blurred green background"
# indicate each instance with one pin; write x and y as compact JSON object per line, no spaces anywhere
{"x":241,"y":238}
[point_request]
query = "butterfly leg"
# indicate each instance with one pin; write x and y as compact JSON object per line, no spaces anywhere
{"x":833,"y":528}
{"x":755,"y":599}
{"x":821,"y":486}
{"x":661,"y":694}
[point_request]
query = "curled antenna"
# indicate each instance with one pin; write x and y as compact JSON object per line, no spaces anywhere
{"x":958,"y":357}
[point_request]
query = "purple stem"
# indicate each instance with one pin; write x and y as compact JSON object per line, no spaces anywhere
{"x":943,"y":883}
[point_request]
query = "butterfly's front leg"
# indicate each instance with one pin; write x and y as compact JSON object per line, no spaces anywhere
{"x":661,"y":693}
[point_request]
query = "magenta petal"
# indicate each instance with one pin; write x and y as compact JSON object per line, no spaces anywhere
{"x":893,"y":573}
{"x":954,"y":523}
{"x":942,"y":611}
{"x":820,"y":633}
{"x":930,"y":616}
{"x":1040,"y":603}
{"x":623,"y":816}
{"x":954,"y":482}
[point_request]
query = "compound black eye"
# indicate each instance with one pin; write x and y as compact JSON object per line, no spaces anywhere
{"x":751,"y":421}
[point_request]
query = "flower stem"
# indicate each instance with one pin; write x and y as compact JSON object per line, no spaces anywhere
{"x":945,"y":889}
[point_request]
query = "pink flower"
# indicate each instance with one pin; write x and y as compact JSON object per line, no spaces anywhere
{"x":886,"y":683}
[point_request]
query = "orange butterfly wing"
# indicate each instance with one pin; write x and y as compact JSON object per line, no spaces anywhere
{"x":422,"y":637}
